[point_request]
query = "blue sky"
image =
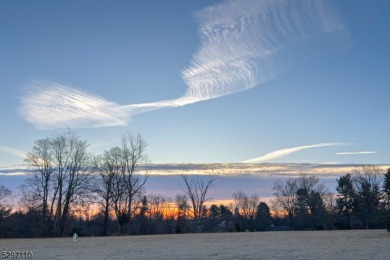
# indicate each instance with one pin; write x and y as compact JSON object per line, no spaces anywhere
{"x":248,"y":80}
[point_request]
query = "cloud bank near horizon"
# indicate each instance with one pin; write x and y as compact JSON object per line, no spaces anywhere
{"x":242,"y":44}
{"x":230,"y":169}
{"x":287,"y":151}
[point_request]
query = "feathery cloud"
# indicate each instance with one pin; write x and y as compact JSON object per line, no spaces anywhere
{"x":242,"y":44}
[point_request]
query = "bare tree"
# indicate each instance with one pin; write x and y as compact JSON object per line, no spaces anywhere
{"x":107,"y":180}
{"x":246,"y":204}
{"x":197,"y":189}
{"x":70,"y":158}
{"x":60,"y":164}
{"x":369,"y":177}
{"x":122,"y":175}
{"x":286,"y":197}
{"x":170,"y":214}
{"x":311,"y":183}
{"x":133,"y":177}
{"x":182,"y":206}
{"x":5,"y":194}
{"x":300,"y":196}
{"x":170,"y":210}
{"x":85,"y":210}
{"x":156,"y":206}
{"x":118,"y":201}
{"x":330,"y":202}
{"x":37,"y":189}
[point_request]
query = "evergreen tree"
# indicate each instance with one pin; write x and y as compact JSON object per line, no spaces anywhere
{"x":302,"y":214}
{"x":214,"y":211}
{"x":318,"y":213}
{"x":143,"y":219}
{"x":367,"y":182}
{"x":263,"y":219}
{"x":346,"y":201}
{"x":225,"y":211}
{"x":386,"y":189}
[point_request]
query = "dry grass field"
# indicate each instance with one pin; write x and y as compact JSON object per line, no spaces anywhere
{"x":360,"y":244}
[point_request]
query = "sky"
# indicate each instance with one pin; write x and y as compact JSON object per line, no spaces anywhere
{"x":201,"y":81}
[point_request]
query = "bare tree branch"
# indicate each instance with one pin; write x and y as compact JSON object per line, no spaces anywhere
{"x":197,"y":189}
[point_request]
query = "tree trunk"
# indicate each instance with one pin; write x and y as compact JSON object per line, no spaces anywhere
{"x":59,"y":211}
{"x":105,"y":222}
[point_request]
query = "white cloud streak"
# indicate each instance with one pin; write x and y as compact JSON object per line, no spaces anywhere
{"x":243,"y":43}
{"x":13,"y":174}
{"x":356,"y":153}
{"x":287,"y":151}
{"x":13,"y":151}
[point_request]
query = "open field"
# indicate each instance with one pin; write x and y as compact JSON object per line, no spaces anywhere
{"x":357,"y":244}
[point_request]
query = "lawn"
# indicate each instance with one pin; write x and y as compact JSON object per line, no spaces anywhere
{"x":356,"y":244}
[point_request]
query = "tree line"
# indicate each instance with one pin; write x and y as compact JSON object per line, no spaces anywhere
{"x":73,"y":191}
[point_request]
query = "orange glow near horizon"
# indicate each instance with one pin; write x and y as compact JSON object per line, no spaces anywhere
{"x":169,"y":210}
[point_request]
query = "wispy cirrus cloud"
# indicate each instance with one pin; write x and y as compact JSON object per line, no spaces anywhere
{"x":13,"y":151}
{"x":242,"y":44}
{"x":356,"y":153}
{"x":287,"y":151}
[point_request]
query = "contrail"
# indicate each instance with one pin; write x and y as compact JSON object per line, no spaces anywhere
{"x":287,"y":151}
{"x":356,"y":153}
{"x":243,"y":43}
{"x":13,"y":151}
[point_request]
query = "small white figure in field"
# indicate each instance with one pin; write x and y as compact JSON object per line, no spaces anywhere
{"x":75,"y":236}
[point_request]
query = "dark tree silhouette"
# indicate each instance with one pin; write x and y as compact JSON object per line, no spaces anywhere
{"x":286,"y":197}
{"x":246,"y":204}
{"x":367,"y":183}
{"x":386,"y":189}
{"x":5,"y":194}
{"x":61,"y":164}
{"x":196,"y":190}
{"x":263,"y":219}
{"x":346,"y":201}
{"x":295,"y":197}
{"x":107,"y":169}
